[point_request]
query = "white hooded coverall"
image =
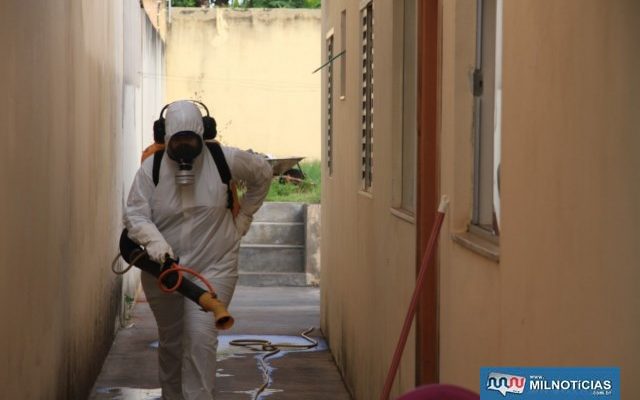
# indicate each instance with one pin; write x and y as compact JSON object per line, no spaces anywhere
{"x":196,"y":224}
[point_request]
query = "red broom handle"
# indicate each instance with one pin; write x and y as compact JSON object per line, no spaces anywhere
{"x":428,"y":254}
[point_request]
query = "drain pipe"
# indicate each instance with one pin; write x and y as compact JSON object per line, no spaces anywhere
{"x":428,"y":254}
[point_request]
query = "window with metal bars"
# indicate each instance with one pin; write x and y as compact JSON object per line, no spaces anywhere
{"x":367,"y":95}
{"x":330,"y":105}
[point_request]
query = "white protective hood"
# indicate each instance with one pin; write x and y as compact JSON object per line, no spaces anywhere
{"x":182,"y":116}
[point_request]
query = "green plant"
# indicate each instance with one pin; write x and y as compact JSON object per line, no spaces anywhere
{"x":307,"y":191}
{"x":251,"y":3}
{"x":282,"y":3}
{"x":185,"y":3}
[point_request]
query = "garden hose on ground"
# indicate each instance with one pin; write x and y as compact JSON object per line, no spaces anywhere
{"x":170,"y":279}
{"x":270,"y":350}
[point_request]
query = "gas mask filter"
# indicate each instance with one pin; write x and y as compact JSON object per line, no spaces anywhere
{"x":183,"y":148}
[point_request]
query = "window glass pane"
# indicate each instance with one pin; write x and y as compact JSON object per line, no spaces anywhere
{"x":497,"y":137}
{"x":485,"y":216}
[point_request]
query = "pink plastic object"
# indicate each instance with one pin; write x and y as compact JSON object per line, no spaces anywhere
{"x":439,"y":392}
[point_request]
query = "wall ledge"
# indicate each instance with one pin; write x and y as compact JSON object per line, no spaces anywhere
{"x":403,"y":214}
{"x":478,"y":245}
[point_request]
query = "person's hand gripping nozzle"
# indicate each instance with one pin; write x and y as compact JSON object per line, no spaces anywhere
{"x":170,"y":279}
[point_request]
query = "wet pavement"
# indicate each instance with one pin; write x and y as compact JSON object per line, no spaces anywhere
{"x":302,"y":369}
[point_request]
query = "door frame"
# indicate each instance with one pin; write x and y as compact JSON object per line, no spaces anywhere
{"x":427,"y":332}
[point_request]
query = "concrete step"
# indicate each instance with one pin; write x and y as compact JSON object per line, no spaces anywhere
{"x":280,"y":212}
{"x":292,"y":233}
{"x":271,"y":258}
{"x":273,"y":251}
{"x":272,"y":279}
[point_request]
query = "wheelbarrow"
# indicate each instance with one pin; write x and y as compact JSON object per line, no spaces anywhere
{"x":283,"y":167}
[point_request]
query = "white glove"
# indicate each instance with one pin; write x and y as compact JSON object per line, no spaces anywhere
{"x":243,"y":223}
{"x":158,"y":250}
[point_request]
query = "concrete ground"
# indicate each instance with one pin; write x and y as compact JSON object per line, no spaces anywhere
{"x":278,"y":314}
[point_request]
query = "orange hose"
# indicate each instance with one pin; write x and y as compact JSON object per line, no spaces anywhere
{"x":175,"y":268}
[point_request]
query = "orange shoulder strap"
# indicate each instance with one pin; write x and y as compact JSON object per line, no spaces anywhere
{"x":151,"y":150}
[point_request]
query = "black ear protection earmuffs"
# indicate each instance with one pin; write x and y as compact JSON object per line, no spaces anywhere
{"x":209,"y":124}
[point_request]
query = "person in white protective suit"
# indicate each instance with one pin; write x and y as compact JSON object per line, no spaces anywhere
{"x":192,"y":222}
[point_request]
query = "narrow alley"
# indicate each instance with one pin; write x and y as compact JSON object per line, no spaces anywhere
{"x":276,"y":314}
{"x":388,"y":199}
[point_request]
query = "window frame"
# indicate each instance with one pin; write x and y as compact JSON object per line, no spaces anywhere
{"x":486,"y":141}
{"x":405,"y":110}
{"x":409,"y":142}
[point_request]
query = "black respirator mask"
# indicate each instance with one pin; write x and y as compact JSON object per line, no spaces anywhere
{"x":183,"y":148}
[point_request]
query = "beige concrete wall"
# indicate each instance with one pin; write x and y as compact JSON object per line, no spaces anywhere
{"x":565,"y":292}
{"x":62,"y":169}
{"x":368,"y":250}
{"x":253,"y":69}
{"x":469,"y":284}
